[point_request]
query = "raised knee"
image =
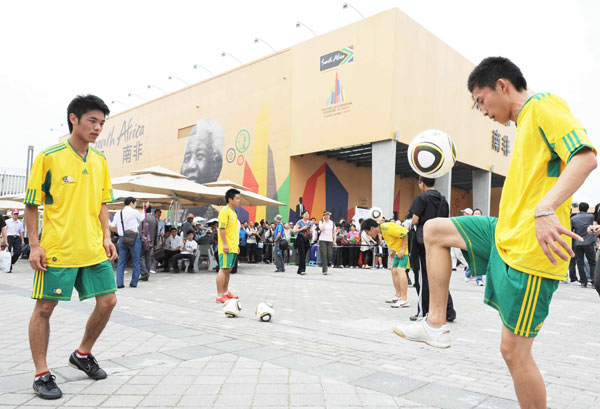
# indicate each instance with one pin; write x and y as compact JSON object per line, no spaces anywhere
{"x":432,"y":230}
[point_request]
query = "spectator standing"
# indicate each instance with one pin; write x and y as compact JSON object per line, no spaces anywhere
{"x":426,"y":206}
{"x":328,"y":232}
{"x":353,"y":239}
{"x":251,"y":234}
{"x":16,"y":238}
{"x":173,"y":245}
{"x":366,"y":248}
{"x":278,"y":236}
{"x":3,"y":231}
{"x":187,"y":225}
{"x":187,"y":253}
{"x":287,"y":235}
{"x":584,"y":249}
{"x":229,"y":237}
{"x":243,"y":241}
{"x":128,"y":220}
{"x":302,"y":229}
{"x":149,"y":231}
{"x":269,"y":235}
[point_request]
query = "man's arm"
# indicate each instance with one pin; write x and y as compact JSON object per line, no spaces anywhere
{"x":548,"y":228}
{"x":109,"y":247}
{"x":37,"y":255}
{"x":4,"y":237}
{"x":224,"y":239}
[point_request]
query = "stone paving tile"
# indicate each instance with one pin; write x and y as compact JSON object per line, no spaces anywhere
{"x":446,"y":397}
{"x":388,"y":383}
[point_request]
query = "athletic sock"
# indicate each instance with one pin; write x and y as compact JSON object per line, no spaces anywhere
{"x":81,"y":354}
{"x":432,"y":331}
{"x":38,"y":375}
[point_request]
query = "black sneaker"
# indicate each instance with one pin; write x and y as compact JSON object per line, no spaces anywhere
{"x":46,"y":388}
{"x":88,"y":365}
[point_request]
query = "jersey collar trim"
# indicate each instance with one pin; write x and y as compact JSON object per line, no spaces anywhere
{"x":83,"y":158}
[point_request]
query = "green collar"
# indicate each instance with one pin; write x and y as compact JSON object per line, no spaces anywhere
{"x":83,"y":158}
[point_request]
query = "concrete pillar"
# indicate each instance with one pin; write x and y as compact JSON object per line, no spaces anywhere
{"x":482,"y":189}
{"x":443,"y":185}
{"x":383,"y":174}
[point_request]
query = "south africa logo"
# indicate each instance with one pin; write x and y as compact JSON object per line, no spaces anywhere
{"x":242,"y":141}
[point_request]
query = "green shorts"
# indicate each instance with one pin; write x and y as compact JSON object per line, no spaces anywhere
{"x":522,"y":299}
{"x":56,"y":283}
{"x":400,"y":262}
{"x":227,"y":260}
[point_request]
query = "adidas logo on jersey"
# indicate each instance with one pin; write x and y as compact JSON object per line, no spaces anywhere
{"x":85,"y":172}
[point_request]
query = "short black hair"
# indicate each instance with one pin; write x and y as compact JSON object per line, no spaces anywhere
{"x":429,"y":182}
{"x":368,"y":224}
{"x":158,"y":210}
{"x":230,"y":194}
{"x":129,"y":200}
{"x":82,"y":104}
{"x":149,"y":209}
{"x":583,"y":207}
{"x":189,"y":232}
{"x":491,"y":69}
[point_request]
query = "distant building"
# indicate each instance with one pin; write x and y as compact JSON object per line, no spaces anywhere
{"x":12,"y":181}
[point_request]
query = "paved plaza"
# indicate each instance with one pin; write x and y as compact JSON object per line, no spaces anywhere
{"x":330,"y":345}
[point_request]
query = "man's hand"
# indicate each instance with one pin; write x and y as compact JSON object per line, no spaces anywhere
{"x":401,"y":254}
{"x":548,"y":231}
{"x":110,"y":249}
{"x":225,"y":248}
{"x":37,"y":258}
{"x":594,"y":230}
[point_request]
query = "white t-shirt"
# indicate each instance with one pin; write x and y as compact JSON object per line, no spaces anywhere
{"x":190,"y":246}
{"x":131,"y":219}
{"x":250,"y":238}
{"x":326,"y":231}
{"x":14,"y":227}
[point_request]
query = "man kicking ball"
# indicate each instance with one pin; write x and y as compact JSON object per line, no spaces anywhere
{"x":520,"y":251}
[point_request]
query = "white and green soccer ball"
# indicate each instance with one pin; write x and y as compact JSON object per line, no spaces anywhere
{"x":265,"y":311}
{"x":232,"y":308}
{"x":432,"y":153}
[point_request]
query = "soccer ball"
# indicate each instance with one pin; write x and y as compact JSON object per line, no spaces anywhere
{"x":432,"y":153}
{"x":232,"y":308}
{"x":265,"y":311}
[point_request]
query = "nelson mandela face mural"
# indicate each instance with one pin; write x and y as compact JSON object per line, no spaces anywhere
{"x":203,"y":158}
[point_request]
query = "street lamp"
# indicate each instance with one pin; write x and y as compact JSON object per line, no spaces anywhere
{"x":223,"y":54}
{"x":114,"y":101}
{"x":177,"y":78}
{"x":258,"y":40}
{"x":133,"y":94}
{"x":196,"y":66}
{"x":299,"y":24}
{"x":154,"y":86}
{"x":346,"y":5}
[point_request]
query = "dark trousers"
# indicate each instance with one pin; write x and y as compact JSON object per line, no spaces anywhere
{"x":422,"y":286}
{"x":597,"y":274}
{"x":251,"y":252}
{"x":279,"y":257}
{"x":146,"y":262}
{"x":353,"y":255}
{"x":302,"y":246}
{"x":326,"y":253}
{"x":367,"y":257}
{"x":14,"y":246}
{"x":184,"y":256}
{"x":572,"y":269}
{"x":168,"y":256}
{"x":588,"y":252}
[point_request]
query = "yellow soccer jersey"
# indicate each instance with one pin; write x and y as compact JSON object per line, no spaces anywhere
{"x":72,"y":189}
{"x":228,"y":220}
{"x":548,"y":135}
{"x":394,"y":235}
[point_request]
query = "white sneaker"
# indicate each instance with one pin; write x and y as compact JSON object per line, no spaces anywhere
{"x":392,"y":300}
{"x":400,"y":304}
{"x":480,"y":283}
{"x":467,"y":279}
{"x":421,"y":331}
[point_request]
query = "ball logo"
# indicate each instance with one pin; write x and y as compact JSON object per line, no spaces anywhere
{"x":57,"y":291}
{"x":428,"y":158}
{"x":68,"y":179}
{"x":432,"y":153}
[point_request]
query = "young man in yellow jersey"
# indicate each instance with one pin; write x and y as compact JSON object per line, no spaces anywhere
{"x":71,"y":181}
{"x":395,"y":237}
{"x":526,"y":250}
{"x":229,"y":247}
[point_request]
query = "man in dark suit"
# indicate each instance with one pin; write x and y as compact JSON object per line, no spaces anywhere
{"x":299,"y":210}
{"x":152,"y":233}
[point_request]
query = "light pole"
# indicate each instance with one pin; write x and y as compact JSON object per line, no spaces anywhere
{"x":196,"y":66}
{"x":346,"y":5}
{"x":133,"y":94}
{"x":299,"y":24}
{"x":114,"y":101}
{"x":223,"y":54}
{"x":158,"y":88}
{"x":258,"y":40}
{"x":177,"y":78}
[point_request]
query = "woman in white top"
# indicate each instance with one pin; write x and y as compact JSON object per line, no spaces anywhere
{"x":366,"y":249}
{"x":251,"y":233}
{"x":327,"y":228}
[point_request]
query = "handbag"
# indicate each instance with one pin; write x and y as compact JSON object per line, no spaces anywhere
{"x":129,"y":236}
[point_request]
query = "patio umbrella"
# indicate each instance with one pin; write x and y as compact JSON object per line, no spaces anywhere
{"x":226,"y":183}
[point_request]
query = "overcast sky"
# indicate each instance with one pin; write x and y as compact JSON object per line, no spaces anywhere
{"x":54,"y":50}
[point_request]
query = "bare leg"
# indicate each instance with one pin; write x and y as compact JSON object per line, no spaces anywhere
{"x":223,"y":281}
{"x":396,"y":281}
{"x":403,"y":281}
{"x":440,"y":234}
{"x":527,"y":379}
{"x":97,"y":321}
{"x":39,"y":333}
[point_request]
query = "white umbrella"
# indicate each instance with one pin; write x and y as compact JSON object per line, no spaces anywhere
{"x":247,"y":197}
{"x":226,"y":183}
{"x":11,"y":204}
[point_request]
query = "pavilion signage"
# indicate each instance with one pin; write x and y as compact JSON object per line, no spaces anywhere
{"x":336,"y":58}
